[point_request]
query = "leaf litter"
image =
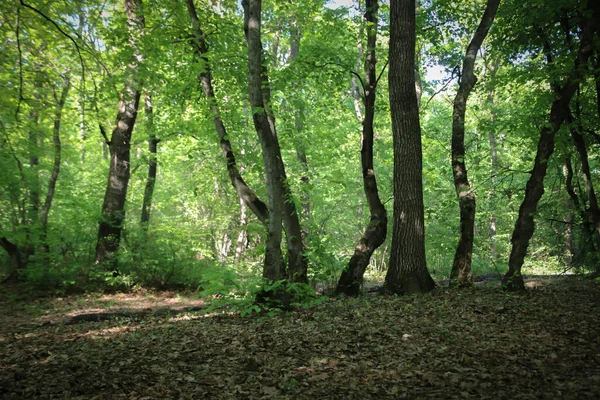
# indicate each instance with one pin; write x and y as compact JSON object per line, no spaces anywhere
{"x":479,"y":343}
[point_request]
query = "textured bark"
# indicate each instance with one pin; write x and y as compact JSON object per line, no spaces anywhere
{"x":461,"y":267}
{"x":152,"y":162}
{"x":113,"y":207}
{"x":245,"y":193}
{"x":45,"y":210}
{"x":375,"y":233}
{"x":407,"y":271}
{"x":525,"y":226}
{"x":274,"y":174}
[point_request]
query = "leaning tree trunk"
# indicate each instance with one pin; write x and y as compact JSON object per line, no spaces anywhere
{"x":461,"y":267}
{"x":375,"y":233}
{"x":113,"y":207}
{"x":245,"y":193}
{"x":524,"y":226}
{"x":152,"y":163}
{"x":407,"y":271}
{"x":45,"y":210}
{"x":274,"y":173}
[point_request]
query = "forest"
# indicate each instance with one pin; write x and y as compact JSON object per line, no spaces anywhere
{"x":310,"y":199}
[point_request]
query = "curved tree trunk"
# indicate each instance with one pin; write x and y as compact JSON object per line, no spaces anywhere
{"x":45,"y":210}
{"x":246,"y":194}
{"x":524,"y":226}
{"x":407,"y":271}
{"x":113,"y":207}
{"x":152,"y":163}
{"x":461,"y":267}
{"x":375,"y":233}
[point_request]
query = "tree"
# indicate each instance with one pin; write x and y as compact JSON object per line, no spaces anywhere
{"x":525,"y":226}
{"x":407,"y":271}
{"x":282,"y":209}
{"x":461,"y":267}
{"x":152,"y":162}
{"x":376,"y":232}
{"x":113,"y":207}
{"x":245,"y":193}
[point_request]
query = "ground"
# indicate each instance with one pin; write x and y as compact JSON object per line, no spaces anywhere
{"x":452,"y":344}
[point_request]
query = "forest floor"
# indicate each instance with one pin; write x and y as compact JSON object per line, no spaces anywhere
{"x":480,"y":343}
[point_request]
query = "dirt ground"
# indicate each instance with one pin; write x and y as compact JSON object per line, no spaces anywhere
{"x":478,"y":343}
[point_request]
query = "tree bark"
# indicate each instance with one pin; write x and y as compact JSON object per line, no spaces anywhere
{"x":407,"y":271}
{"x":45,"y":210}
{"x":375,"y":233}
{"x":113,"y":207}
{"x":274,"y":174}
{"x":280,"y":194}
{"x":152,"y":163}
{"x":246,"y":194}
{"x":461,"y":267}
{"x":525,"y":226}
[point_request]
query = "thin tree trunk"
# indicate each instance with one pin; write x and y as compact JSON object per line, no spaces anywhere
{"x":461,"y":267}
{"x":113,"y":207}
{"x":246,"y":194}
{"x":33,"y":209}
{"x":45,"y":210}
{"x":524,"y":226}
{"x":297,"y":263}
{"x":242,"y":239}
{"x":274,"y":174}
{"x":152,"y":163}
{"x":375,"y":233}
{"x":407,"y":270}
{"x":585,"y":170}
{"x":300,"y":147}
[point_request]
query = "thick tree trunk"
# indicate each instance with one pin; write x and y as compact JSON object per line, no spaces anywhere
{"x":273,"y":164}
{"x":45,"y":210}
{"x":246,"y":194}
{"x":461,"y":267}
{"x":407,"y":271}
{"x":524,"y":226}
{"x":113,"y":207}
{"x":152,"y":163}
{"x":375,"y":233}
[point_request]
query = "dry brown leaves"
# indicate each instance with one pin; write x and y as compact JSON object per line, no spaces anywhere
{"x":481,"y":343}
